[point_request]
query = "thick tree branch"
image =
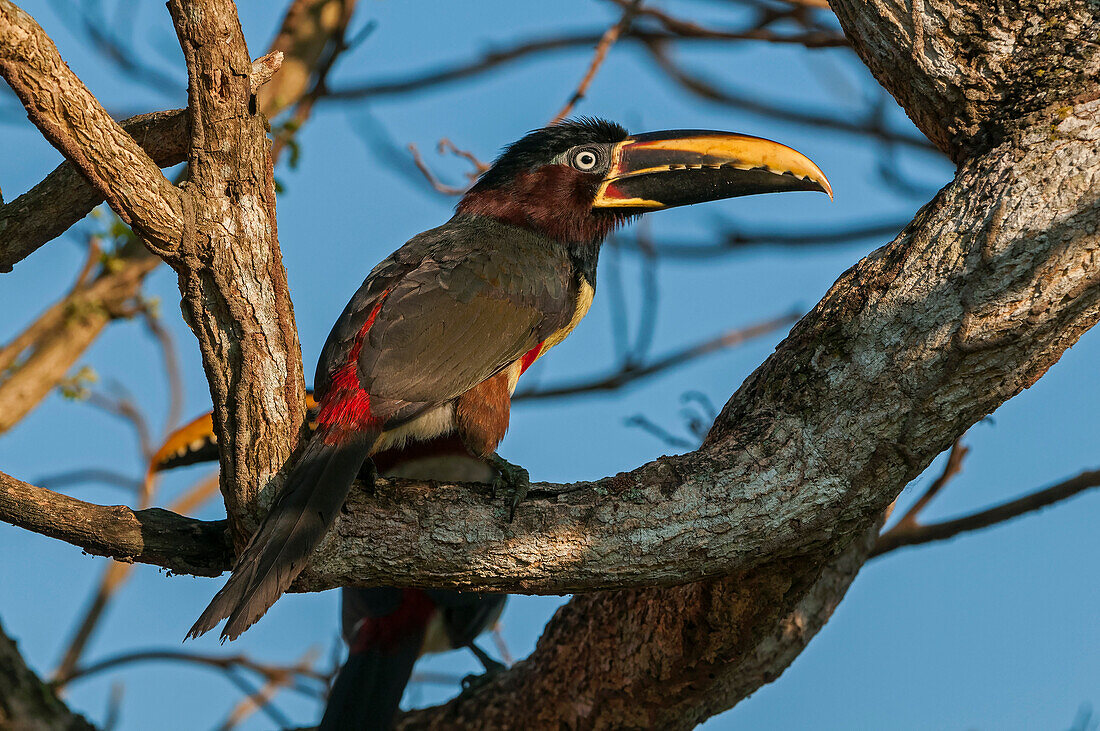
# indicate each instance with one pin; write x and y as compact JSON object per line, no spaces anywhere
{"x":65,"y":196}
{"x":230,"y":267}
{"x":77,"y":125}
{"x":155,"y":536}
{"x":660,"y":658}
{"x":971,"y":304}
{"x":986,"y":91}
{"x":26,"y":703}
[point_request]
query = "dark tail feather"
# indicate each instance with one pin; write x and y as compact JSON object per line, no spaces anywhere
{"x":368,"y":689}
{"x":311,"y":497}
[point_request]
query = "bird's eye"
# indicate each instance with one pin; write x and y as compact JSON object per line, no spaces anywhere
{"x":585,"y":160}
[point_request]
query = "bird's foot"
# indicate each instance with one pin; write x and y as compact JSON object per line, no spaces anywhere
{"x":511,"y":477}
{"x":492,"y":667}
{"x":368,"y":475}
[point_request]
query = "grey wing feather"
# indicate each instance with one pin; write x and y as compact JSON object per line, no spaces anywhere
{"x":467,"y":310}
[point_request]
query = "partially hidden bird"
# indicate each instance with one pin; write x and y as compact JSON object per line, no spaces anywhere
{"x":433,"y":342}
{"x":386,"y":629}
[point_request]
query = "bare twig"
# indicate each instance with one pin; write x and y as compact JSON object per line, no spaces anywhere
{"x":651,"y":427}
{"x":267,"y":671}
{"x":116,"y":574}
{"x":337,"y":44}
{"x":502,"y":647}
{"x":732,"y":239}
{"x":492,"y":59}
{"x":629,"y":373}
{"x":869,"y":126}
{"x":953,"y":467}
{"x":173,"y":375}
{"x":698,"y":415}
{"x":916,"y":534}
{"x":84,"y":476}
{"x":261,"y":699}
{"x":114,"y":706}
{"x":120,"y":402}
{"x":479,"y":165}
{"x":607,"y":40}
{"x":435,"y":182}
{"x":263,"y":68}
{"x":40,"y":357}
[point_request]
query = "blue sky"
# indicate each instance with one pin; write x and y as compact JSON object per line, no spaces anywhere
{"x":995,"y":630}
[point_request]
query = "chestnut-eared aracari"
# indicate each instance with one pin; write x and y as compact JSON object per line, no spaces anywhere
{"x":386,"y":630}
{"x":434,"y":340}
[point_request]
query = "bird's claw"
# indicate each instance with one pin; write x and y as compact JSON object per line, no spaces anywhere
{"x":511,"y":477}
{"x":493,"y":668}
{"x":474,"y":681}
{"x":368,"y":475}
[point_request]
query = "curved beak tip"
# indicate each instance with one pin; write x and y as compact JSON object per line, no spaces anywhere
{"x":681,"y":167}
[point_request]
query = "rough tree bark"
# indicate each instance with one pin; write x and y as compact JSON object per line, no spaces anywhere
{"x":218,"y":230}
{"x":972,"y":303}
{"x":65,"y":196}
{"x":26,"y":703}
{"x":231,"y":275}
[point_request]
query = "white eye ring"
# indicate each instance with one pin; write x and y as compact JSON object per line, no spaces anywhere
{"x":585,"y":160}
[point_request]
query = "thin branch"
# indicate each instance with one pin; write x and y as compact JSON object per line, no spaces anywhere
{"x":916,"y":534}
{"x":435,"y":182}
{"x":267,"y":671}
{"x":649,"y":426}
{"x":84,"y":476}
{"x":121,"y":403}
{"x":65,"y":196}
{"x":307,"y":36}
{"x":337,"y":43}
{"x":497,"y":636}
{"x":732,"y":239}
{"x":479,"y":165}
{"x":39,"y":358}
{"x":950,"y":470}
{"x":630,"y":373}
{"x":172,"y":371}
{"x":116,"y":574}
{"x":457,"y":71}
{"x":114,"y":707}
{"x":697,"y":84}
{"x":443,"y":147}
{"x":608,"y":39}
{"x":650,"y":295}
{"x":261,"y":699}
{"x":81,"y":129}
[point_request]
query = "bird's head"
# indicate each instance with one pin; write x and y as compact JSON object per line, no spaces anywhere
{"x":575,"y":181}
